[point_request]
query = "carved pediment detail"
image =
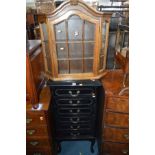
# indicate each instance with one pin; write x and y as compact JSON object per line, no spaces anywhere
{"x":74,"y":2}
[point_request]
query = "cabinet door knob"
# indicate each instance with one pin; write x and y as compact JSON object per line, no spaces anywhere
{"x":59,"y":31}
{"x":76,"y":33}
{"x":126,"y":136}
{"x":34,"y":143}
{"x":125,"y":151}
{"x":30,"y":132}
{"x":28,"y":120}
{"x":62,"y":48}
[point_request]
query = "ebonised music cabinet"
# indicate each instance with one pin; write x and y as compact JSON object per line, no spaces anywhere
{"x":77,"y":111}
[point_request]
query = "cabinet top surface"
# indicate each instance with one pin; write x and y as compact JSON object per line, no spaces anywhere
{"x":113,"y":83}
{"x":75,"y":83}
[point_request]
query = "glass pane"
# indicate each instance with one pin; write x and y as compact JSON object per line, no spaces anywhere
{"x":44,"y":29}
{"x":89,"y":31}
{"x":60,"y":31}
{"x":76,"y":66}
{"x":111,"y":50}
{"x":48,"y":58}
{"x":88,"y":50}
{"x":103,"y":35}
{"x":88,"y":65}
{"x":61,"y":49}
{"x":101,"y":63}
{"x":75,"y":50}
{"x":63,"y":67}
{"x":101,"y":56}
{"x":75,"y":28}
{"x":126,"y":39}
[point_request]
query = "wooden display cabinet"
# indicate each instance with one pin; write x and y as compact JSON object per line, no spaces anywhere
{"x":75,"y":39}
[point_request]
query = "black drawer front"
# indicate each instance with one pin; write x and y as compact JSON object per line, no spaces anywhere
{"x":76,"y":120}
{"x":74,"y":134}
{"x":74,"y":92}
{"x":75,"y":123}
{"x":74,"y":111}
{"x":77,"y":106}
{"x":75,"y":101}
{"x":74,"y":127}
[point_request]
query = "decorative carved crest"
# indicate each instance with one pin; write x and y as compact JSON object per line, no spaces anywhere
{"x":74,"y":2}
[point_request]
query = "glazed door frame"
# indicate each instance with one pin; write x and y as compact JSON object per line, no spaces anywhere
{"x":52,"y":43}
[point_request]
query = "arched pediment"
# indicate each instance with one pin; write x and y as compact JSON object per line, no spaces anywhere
{"x":70,"y":5}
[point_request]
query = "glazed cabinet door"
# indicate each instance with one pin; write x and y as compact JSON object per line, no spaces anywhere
{"x":45,"y":46}
{"x":78,"y":38}
{"x":75,"y":24}
{"x":75,"y":45}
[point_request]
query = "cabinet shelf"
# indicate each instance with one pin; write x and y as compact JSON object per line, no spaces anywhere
{"x":89,"y":58}
{"x":76,"y":41}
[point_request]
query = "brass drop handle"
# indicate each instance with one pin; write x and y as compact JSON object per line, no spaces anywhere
{"x":28,"y":120}
{"x":71,"y":127}
{"x":78,"y":119}
{"x":62,"y":48}
{"x":126,"y":136}
{"x":78,"y":110}
{"x":75,"y":134}
{"x":125,"y":151}
{"x":59,"y":31}
{"x":70,"y":110}
{"x":78,"y":101}
{"x":74,"y":121}
{"x":30,"y":132}
{"x":77,"y":127}
{"x":74,"y":95}
{"x":34,"y":143}
{"x":70,"y":101}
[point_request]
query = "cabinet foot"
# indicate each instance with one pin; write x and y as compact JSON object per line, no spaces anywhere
{"x":92,"y":146}
{"x":58,"y":147}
